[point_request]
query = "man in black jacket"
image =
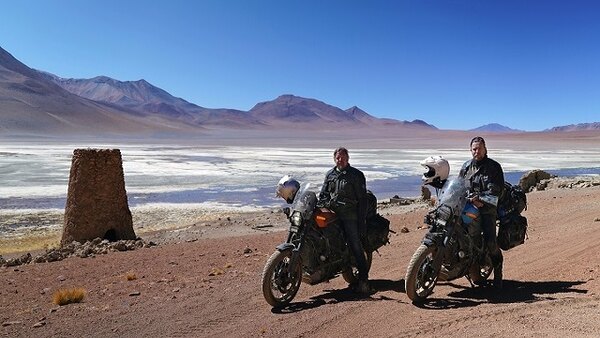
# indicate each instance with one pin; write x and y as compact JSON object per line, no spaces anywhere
{"x":487,"y":180}
{"x":345,"y":192}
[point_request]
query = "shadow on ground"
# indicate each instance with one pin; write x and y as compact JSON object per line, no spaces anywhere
{"x":345,"y":295}
{"x":512,"y":292}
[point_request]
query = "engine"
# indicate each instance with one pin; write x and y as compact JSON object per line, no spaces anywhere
{"x":325,"y":253}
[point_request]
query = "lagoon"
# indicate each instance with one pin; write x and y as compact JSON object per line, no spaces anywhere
{"x":35,"y":176}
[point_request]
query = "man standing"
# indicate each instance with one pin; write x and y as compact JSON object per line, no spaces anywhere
{"x":345,"y":192}
{"x":487,"y":180}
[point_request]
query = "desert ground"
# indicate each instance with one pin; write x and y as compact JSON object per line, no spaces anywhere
{"x":203,"y":280}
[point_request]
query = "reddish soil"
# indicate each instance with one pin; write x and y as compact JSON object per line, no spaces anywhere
{"x":210,"y":287}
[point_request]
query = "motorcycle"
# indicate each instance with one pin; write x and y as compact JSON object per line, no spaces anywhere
{"x":315,"y":250}
{"x":453,"y":247}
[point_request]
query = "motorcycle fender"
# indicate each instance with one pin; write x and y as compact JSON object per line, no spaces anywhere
{"x":285,"y":246}
{"x":433,"y":240}
{"x":428,"y":241}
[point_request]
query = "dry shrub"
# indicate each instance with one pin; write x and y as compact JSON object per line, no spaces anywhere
{"x":68,"y":296}
{"x":131,"y":276}
{"x":216,"y":272}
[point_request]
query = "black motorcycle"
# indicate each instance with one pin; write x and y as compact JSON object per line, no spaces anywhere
{"x":453,"y":247}
{"x":315,"y":250}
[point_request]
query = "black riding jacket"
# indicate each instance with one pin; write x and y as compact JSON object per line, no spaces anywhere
{"x":486,"y":177}
{"x":345,"y":192}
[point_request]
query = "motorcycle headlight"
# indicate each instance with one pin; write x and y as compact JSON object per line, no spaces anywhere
{"x":296,"y":218}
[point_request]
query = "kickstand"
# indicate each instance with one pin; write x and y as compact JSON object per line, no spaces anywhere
{"x":473,"y":285}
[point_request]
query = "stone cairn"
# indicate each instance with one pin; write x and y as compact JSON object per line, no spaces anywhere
{"x":96,"y":200}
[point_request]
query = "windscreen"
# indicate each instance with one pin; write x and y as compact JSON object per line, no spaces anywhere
{"x":454,"y":194}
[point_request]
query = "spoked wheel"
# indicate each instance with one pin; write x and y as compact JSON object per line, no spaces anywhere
{"x":280,"y":280}
{"x":351,"y":275}
{"x":478,"y":274}
{"x":420,"y":276}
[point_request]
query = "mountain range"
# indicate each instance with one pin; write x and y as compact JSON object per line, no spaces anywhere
{"x":38,"y":103}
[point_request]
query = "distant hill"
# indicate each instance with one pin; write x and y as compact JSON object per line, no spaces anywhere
{"x":495,"y":128}
{"x":361,"y":115}
{"x":290,"y":109}
{"x":33,"y":105}
{"x":577,"y":127}
{"x":295,"y":110}
{"x":145,"y":98}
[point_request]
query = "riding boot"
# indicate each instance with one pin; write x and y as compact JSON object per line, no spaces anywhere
{"x":363,"y":287}
{"x":498,"y":274}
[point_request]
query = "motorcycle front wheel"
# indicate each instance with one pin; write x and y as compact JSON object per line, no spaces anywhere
{"x":420,"y":276}
{"x":351,"y":275}
{"x":280,"y":280}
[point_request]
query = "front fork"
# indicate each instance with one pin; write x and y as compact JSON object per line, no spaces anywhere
{"x":290,"y":245}
{"x":439,"y":240}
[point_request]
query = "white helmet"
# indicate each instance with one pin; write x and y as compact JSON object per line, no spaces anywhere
{"x":287,"y":188}
{"x":437,"y":167}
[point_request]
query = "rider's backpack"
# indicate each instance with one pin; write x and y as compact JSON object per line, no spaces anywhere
{"x":378,"y":227}
{"x":378,"y":230}
{"x":512,"y":231}
{"x":513,"y":201}
{"x":513,"y":226}
{"x":371,"y":204}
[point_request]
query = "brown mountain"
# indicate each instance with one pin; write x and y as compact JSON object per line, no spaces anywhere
{"x":32,"y":105}
{"x":290,"y":109}
{"x":363,"y":116}
{"x":143,"y":97}
{"x":294,"y":110}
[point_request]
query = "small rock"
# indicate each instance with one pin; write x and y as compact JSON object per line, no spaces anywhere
{"x":404,"y":230}
{"x":135,"y":293}
{"x":597,"y":220}
{"x":9,"y":323}
{"x":39,"y":324}
{"x":247,"y":250}
{"x":176,"y":290}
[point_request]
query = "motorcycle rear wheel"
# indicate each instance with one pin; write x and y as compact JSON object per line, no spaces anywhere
{"x":351,"y":275}
{"x":280,"y":281}
{"x":420,"y":277}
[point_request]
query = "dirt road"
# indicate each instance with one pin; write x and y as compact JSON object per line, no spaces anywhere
{"x":211,"y":287}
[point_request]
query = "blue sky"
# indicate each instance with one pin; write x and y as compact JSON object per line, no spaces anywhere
{"x":526,"y":64}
